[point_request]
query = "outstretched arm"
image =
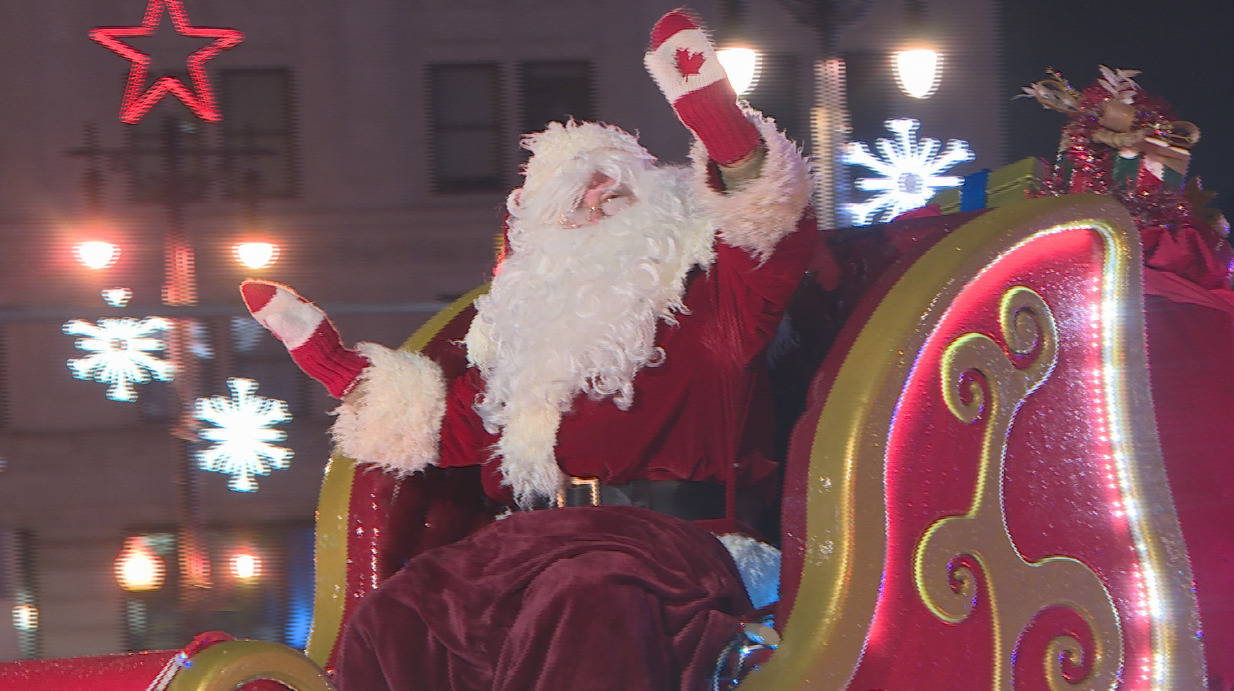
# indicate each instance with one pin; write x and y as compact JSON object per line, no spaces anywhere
{"x":393,"y":401}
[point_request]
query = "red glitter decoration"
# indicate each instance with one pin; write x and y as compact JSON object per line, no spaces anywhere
{"x":1084,"y":162}
{"x":1178,"y":234}
{"x":138,"y":101}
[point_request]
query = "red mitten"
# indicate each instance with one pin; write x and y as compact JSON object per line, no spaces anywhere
{"x":683,"y":64}
{"x":309,"y":336}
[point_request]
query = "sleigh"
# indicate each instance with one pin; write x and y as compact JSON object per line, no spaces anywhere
{"x":975,"y":492}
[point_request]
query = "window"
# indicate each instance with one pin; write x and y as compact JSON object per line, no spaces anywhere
{"x":164,"y":154}
{"x":555,"y":90}
{"x":466,"y":127}
{"x":259,"y":145}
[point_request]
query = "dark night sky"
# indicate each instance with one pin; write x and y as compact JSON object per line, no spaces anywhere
{"x":1184,"y":50}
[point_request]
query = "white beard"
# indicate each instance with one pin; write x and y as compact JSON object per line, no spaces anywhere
{"x":575,"y":311}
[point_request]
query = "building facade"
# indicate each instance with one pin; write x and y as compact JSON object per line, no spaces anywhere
{"x":374,"y":142}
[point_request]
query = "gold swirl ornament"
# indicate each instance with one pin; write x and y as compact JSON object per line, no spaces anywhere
{"x":983,"y":385}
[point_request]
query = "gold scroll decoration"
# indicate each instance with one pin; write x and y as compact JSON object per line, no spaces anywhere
{"x":983,"y":385}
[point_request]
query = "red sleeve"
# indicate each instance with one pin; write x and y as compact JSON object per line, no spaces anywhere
{"x":748,"y":297}
{"x":464,"y":440}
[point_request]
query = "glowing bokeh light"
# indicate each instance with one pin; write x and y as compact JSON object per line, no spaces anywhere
{"x":25,"y":617}
{"x":255,"y":255}
{"x":138,"y":568}
{"x":97,"y":254}
{"x":741,"y":64}
{"x":918,"y":71}
{"x":245,"y":565}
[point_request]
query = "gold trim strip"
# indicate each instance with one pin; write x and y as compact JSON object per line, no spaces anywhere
{"x":230,"y":665}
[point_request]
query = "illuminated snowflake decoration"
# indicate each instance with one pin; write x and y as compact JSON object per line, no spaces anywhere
{"x":909,"y":170}
{"x":120,"y":353}
{"x":242,"y":434}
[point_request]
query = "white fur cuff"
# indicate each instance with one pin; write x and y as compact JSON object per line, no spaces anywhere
{"x":759,"y":565}
{"x":758,"y":213}
{"x":393,"y":416}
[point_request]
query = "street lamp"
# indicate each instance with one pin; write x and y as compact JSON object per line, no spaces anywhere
{"x":734,"y":53}
{"x":179,"y":291}
{"x":918,"y":66}
{"x":917,"y":71}
{"x":138,"y":568}
{"x":97,"y":254}
{"x":245,"y":565}
{"x":741,"y":64}
{"x":255,"y":255}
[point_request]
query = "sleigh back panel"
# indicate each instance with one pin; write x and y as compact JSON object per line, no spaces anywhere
{"x":976,"y":497}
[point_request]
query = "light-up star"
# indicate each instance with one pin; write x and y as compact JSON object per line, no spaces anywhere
{"x":242,"y":434}
{"x":910,"y":171}
{"x":199,"y":99}
{"x":119,"y":353}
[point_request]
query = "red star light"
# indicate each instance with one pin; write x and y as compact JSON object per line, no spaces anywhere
{"x":199,"y":99}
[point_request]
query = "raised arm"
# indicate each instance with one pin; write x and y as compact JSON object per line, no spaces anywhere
{"x":683,"y":63}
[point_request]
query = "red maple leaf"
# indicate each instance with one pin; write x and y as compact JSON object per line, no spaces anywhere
{"x":689,"y":63}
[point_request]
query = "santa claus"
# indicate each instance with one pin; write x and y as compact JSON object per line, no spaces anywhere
{"x":618,"y":349}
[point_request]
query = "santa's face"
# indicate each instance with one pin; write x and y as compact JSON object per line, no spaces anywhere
{"x":602,"y":199}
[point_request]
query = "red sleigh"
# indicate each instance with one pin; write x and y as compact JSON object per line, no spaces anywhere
{"x":975,"y":491}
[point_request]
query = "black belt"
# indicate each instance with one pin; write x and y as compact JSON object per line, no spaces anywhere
{"x":688,"y":500}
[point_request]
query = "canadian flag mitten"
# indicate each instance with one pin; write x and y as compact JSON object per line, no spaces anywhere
{"x":309,"y":336}
{"x":684,"y":65}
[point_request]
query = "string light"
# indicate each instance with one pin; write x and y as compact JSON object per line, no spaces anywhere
{"x":909,"y":170}
{"x":119,"y":353}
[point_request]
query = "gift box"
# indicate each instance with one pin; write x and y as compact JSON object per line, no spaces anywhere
{"x":993,"y":188}
{"x":1152,"y":166}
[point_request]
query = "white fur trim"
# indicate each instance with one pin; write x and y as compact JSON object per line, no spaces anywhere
{"x":759,"y":565}
{"x":479,"y":343}
{"x":760,"y":212}
{"x":528,"y":463}
{"x":392,"y":418}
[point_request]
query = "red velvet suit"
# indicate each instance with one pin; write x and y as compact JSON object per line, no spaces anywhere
{"x":694,"y":416}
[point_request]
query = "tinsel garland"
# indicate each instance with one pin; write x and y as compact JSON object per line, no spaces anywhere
{"x":1086,"y":154}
